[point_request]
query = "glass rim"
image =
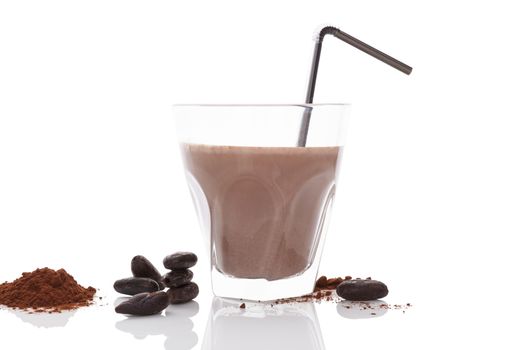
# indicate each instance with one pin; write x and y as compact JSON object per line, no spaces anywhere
{"x":303,"y":105}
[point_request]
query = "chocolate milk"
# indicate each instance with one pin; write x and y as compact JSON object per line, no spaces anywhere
{"x":266,"y":205}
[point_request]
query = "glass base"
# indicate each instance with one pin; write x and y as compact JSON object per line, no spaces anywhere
{"x":262,"y":289}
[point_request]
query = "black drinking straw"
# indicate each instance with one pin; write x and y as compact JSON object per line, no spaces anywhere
{"x":391,"y":61}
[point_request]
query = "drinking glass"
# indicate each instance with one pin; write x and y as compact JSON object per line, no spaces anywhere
{"x":262,"y":201}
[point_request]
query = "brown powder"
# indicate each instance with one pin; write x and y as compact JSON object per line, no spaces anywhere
{"x":45,"y":290}
{"x":324,"y":291}
{"x":324,"y":283}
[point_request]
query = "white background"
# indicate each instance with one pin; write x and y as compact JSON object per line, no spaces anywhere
{"x":431,"y":197}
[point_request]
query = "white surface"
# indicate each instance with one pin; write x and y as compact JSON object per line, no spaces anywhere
{"x":431,"y":193}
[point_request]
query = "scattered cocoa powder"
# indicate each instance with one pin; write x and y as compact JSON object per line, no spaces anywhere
{"x":322,"y":295}
{"x":329,"y":283}
{"x":45,"y":290}
{"x":324,"y":291}
{"x":366,"y":305}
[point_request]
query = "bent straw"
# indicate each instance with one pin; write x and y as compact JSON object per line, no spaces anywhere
{"x":383,"y":57}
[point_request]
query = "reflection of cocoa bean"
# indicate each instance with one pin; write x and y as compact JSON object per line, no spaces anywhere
{"x":144,"y":304}
{"x":180,"y":260}
{"x":142,"y":267}
{"x":173,"y":326}
{"x":177,"y":278}
{"x":184,"y":293}
{"x":135,"y":285}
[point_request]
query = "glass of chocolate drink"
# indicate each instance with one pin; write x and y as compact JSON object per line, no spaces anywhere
{"x":262,"y":199}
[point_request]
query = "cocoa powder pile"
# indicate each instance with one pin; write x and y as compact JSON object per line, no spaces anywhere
{"x":45,"y":290}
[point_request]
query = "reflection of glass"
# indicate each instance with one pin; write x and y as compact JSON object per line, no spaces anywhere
{"x":44,"y":319}
{"x":262,"y":201}
{"x":262,"y":327}
{"x":175,"y":325}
